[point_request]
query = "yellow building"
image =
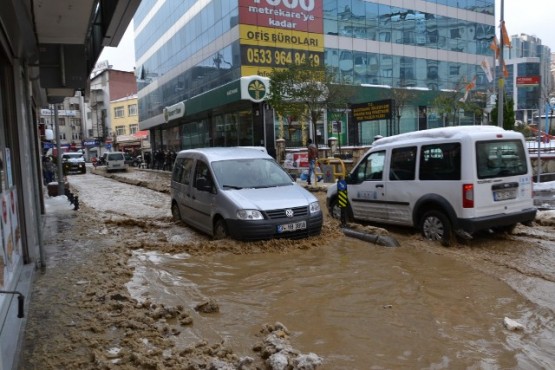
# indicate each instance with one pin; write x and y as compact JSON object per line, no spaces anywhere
{"x":125,"y":126}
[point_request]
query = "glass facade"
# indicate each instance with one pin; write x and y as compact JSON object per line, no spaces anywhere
{"x":529,"y":64}
{"x":187,"y":47}
{"x":161,"y":51}
{"x":528,"y":97}
{"x":385,"y":26}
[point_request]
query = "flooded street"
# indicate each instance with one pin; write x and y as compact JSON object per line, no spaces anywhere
{"x":355,"y":304}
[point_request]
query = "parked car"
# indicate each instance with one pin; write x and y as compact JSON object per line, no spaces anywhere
{"x":73,"y":162}
{"x":115,"y":161}
{"x":445,"y":181}
{"x":242,"y":193}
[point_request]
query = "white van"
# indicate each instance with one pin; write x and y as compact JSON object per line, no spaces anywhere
{"x":445,"y":181}
{"x":242,"y":193}
{"x":115,"y":161}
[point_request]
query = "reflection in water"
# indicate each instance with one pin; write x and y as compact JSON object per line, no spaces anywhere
{"x":357,"y":305}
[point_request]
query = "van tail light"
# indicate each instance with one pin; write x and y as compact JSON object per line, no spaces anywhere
{"x":532,"y":187}
{"x":468,"y":195}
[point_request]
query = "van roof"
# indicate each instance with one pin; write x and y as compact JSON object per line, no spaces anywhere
{"x":452,"y":132}
{"x":223,"y":153}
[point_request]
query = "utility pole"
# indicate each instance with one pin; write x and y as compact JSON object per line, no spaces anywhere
{"x":500,"y":98}
{"x":61,"y":185}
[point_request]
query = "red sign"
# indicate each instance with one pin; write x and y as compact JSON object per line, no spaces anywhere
{"x":528,"y":81}
{"x":294,"y":15}
{"x":296,"y":160}
{"x":141,"y":134}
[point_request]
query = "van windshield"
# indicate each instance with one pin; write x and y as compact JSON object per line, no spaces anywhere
{"x":250,"y":173}
{"x":500,"y":159}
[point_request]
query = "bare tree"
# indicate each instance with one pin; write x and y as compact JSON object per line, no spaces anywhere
{"x":305,"y":91}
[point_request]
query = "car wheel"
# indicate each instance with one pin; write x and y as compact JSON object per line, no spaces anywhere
{"x":335,"y":210}
{"x":176,"y":215}
{"x":436,"y":226}
{"x":220,"y":229}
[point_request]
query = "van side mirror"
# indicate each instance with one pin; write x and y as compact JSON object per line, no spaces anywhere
{"x":351,"y":178}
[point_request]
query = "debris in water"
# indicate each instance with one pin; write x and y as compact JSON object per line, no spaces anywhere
{"x":512,"y":324}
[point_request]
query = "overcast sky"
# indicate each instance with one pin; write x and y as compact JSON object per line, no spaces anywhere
{"x":532,"y":17}
{"x":123,"y":57}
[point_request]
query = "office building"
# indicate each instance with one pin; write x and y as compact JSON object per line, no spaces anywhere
{"x":201,"y":65}
{"x":530,"y":81}
{"x":71,"y":118}
{"x":125,"y":122}
{"x":106,"y":84}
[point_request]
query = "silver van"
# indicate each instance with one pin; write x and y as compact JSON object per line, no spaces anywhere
{"x":242,"y":193}
{"x":452,"y":181}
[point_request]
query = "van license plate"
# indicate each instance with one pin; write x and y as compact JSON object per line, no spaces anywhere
{"x":291,"y":227}
{"x":504,"y":195}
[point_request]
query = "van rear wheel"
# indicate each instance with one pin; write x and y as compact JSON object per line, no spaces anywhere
{"x":220,"y":229}
{"x":436,"y":226}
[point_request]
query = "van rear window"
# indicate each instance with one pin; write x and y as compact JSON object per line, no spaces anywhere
{"x":115,"y":157}
{"x":500,"y":159}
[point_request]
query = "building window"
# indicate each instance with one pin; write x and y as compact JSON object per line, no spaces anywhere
{"x":132,"y":110}
{"x":120,"y":130}
{"x":387,"y":72}
{"x":455,"y":33}
{"x":406,"y":73}
{"x":432,"y":71}
{"x":385,"y":36}
{"x":133,"y":129}
{"x":119,"y":112}
{"x":62,"y":121}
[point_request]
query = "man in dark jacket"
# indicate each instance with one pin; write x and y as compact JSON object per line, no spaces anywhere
{"x":312,"y":158}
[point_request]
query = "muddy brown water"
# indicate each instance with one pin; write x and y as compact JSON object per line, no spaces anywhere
{"x":355,"y":304}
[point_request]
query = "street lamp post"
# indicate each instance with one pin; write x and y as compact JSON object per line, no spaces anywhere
{"x":548,"y":110}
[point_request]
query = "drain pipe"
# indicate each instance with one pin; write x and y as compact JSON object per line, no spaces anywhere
{"x":20,"y":302}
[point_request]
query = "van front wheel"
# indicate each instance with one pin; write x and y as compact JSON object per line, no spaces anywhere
{"x":176,"y":215}
{"x":220,"y":229}
{"x":436,"y":226}
{"x":335,"y":210}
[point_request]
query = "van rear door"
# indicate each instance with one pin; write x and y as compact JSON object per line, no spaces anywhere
{"x":181,"y":185}
{"x":504,"y":183}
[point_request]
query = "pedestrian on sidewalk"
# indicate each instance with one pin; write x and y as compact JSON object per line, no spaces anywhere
{"x":312,"y":158}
